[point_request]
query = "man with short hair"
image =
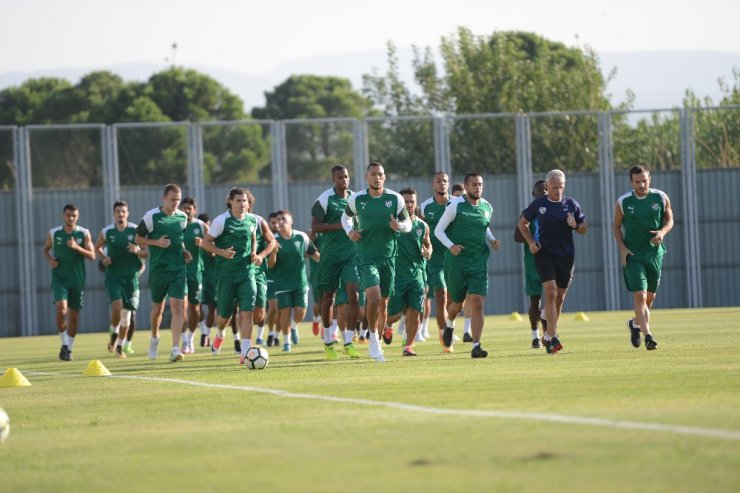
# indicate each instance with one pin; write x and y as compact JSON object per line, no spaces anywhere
{"x":265,"y":243}
{"x":195,"y":231}
{"x":380,"y":214}
{"x":122,"y":258}
{"x":554,"y":253}
{"x":463,"y":230}
{"x":642,"y":219}
{"x":162,"y":231}
{"x":208,"y":319}
{"x":66,"y":248}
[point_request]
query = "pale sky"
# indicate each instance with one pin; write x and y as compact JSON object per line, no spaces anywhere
{"x":253,"y":36}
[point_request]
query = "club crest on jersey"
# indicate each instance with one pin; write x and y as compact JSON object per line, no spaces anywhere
{"x":486,"y":214}
{"x":656,"y":207}
{"x":542,"y":210}
{"x":388,"y":203}
{"x":130,"y":237}
{"x":297,"y":245}
{"x":79,"y":241}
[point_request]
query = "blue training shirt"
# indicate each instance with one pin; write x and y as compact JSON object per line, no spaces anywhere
{"x":553,"y":233}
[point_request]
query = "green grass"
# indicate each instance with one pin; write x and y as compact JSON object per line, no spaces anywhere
{"x":74,"y":433}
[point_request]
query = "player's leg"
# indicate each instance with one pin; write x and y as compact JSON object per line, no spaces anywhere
{"x":299,"y":302}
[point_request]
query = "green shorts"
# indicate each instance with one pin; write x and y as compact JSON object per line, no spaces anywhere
{"x":408,"y":292}
{"x":209,"y":291}
{"x":377,"y":272}
{"x":126,"y":290}
{"x":73,"y":295}
{"x":436,"y":273}
{"x":260,"y":280}
{"x":642,"y":274}
{"x":195,"y":289}
{"x":341,"y":296}
{"x":465,"y":279}
{"x":532,"y":283}
{"x":231,"y":290}
{"x":271,"y":289}
{"x":168,"y":283}
{"x":335,"y":273}
{"x":292,"y":299}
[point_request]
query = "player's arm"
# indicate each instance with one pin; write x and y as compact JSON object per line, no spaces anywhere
{"x":270,"y":239}
{"x":618,"y":236}
{"x":54,"y":263}
{"x":312,"y":251}
{"x":523,"y":226}
{"x":495,"y":244}
{"x":444,"y":222}
{"x":99,"y":246}
{"x":142,"y":237}
{"x":87,"y":250}
{"x":347,"y":220}
{"x":403,"y":221}
{"x":426,"y":244}
{"x":667,"y":223}
{"x":318,"y":216}
{"x":577,"y":220}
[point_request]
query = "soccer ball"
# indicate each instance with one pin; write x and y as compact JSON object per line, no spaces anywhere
{"x":257,"y":358}
{"x":4,"y":425}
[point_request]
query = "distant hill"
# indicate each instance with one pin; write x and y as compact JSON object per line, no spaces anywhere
{"x":658,"y":79}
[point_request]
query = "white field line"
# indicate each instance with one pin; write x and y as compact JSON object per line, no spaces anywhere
{"x":528,"y":416}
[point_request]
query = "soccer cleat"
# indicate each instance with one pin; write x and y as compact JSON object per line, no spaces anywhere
{"x":184,"y":346}
{"x":242,"y":358}
{"x":331,"y":354}
{"x":176,"y":356}
{"x":351,"y":351}
{"x":153,"y":345}
{"x":408,"y":351}
{"x":634,"y":333}
{"x":112,"y":342}
{"x":276,"y":341}
{"x":270,"y":340}
{"x":376,"y":352}
{"x":128,"y":349}
{"x":448,"y":350}
{"x":447,"y":336}
{"x":419,"y":337}
{"x":455,"y":338}
{"x":294,"y":336}
{"x":388,"y":335}
{"x":362,"y":340}
{"x":467,"y":337}
{"x":216,"y":347}
{"x":650,"y":343}
{"x":260,"y":341}
{"x":554,"y":345}
{"x":536,"y":343}
{"x":315,"y":328}
{"x":65,"y":354}
{"x":204,"y":340}
{"x":237,"y":346}
{"x":286,"y":347}
{"x":478,"y":352}
{"x":119,"y":353}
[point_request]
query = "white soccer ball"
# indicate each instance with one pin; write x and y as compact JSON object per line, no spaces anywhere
{"x":257,"y":358}
{"x":4,"y":425}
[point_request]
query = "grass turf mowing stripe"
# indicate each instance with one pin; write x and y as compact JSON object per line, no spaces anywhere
{"x":530,"y":416}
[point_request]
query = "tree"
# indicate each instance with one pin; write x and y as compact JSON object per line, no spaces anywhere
{"x":314,"y":146}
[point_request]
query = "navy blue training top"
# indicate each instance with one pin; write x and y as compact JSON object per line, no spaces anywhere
{"x":553,"y":233}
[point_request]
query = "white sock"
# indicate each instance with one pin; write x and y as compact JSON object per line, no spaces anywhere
{"x":467,"y":325}
{"x":535,"y":335}
{"x":119,"y":342}
{"x":246,"y":344}
{"x":327,"y":335}
{"x":70,"y":342}
{"x":293,"y":325}
{"x":203,"y":329}
{"x":374,"y":337}
{"x":450,"y":323}
{"x":635,"y":324}
{"x":63,"y":336}
{"x":220,"y":333}
{"x":402,"y":324}
{"x":273,"y":333}
{"x":317,"y":319}
{"x":113,"y":329}
{"x":260,"y":331}
{"x":175,"y":349}
{"x":127,"y":344}
{"x":348,"y":334}
{"x":236,"y":336}
{"x":546,"y":336}
{"x":425,"y":328}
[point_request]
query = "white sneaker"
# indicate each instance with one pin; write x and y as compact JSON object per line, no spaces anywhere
{"x":376,"y":352}
{"x":153,"y":345}
{"x":455,"y":338}
{"x":176,"y":355}
{"x":419,"y":337}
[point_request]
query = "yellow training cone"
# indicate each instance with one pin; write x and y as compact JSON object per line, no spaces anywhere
{"x":96,"y":369}
{"x":516,"y":316}
{"x":14,"y":378}
{"x":581,"y":317}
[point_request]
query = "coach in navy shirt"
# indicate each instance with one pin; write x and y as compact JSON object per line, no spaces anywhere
{"x":554,"y":254}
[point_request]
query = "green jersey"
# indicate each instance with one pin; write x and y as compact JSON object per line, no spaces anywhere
{"x":289,"y":273}
{"x":124,"y":264}
{"x":193,"y":230}
{"x":261,"y":243}
{"x":71,"y":269}
{"x":373,"y":216}
{"x":328,"y":209}
{"x":236,"y":233}
{"x":432,"y":212}
{"x":154,"y":225}
{"x":642,"y":215}
{"x":410,"y":263}
{"x":465,"y":224}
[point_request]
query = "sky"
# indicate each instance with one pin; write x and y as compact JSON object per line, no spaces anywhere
{"x":254,"y":36}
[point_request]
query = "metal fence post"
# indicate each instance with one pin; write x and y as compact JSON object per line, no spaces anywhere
{"x":195,"y":162}
{"x":360,"y":153}
{"x":24,"y":218}
{"x":279,"y":165}
{"x":688,"y":192}
{"x":111,"y":182}
{"x":524,"y":176}
{"x":442,"y":145}
{"x":606,"y":188}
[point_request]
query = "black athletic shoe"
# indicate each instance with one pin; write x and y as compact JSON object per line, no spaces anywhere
{"x":536,"y":343}
{"x":478,"y":352}
{"x":388,"y":335}
{"x":554,"y":346}
{"x":270,"y":340}
{"x":237,"y":346}
{"x":63,"y":353}
{"x":634,"y":333}
{"x":447,"y":336}
{"x":204,"y":340}
{"x":467,"y":337}
{"x":650,"y":343}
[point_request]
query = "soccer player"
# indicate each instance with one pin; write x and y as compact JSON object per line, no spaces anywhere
{"x":233,"y":239}
{"x":66,"y":248}
{"x":409,"y":291}
{"x":162,"y":231}
{"x":431,"y":211}
{"x":642,"y":219}
{"x":289,"y":275}
{"x":272,"y":310}
{"x":122,"y":259}
{"x":195,"y":231}
{"x":554,"y":253}
{"x":463,"y":230}
{"x":532,"y":283}
{"x":208,"y":319}
{"x":380,"y":214}
{"x":338,"y":264}
{"x":457,"y":190}
{"x":265,"y":243}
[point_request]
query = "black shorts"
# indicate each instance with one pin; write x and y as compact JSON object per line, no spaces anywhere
{"x":552,"y":268}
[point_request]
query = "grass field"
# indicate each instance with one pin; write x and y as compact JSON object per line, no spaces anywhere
{"x":472,"y":425}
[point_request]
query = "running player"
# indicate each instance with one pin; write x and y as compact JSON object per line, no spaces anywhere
{"x":66,"y":248}
{"x":265,"y":243}
{"x":208,"y":319}
{"x":195,"y":231}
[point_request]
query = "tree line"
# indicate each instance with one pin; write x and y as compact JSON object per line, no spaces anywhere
{"x":502,"y":73}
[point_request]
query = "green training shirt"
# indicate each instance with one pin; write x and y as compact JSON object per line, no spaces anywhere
{"x":409,"y":262}
{"x":642,"y":215}
{"x":229,"y":231}
{"x":373,"y":217}
{"x":195,"y":229}
{"x":328,"y":209}
{"x":154,"y":225}
{"x":289,"y":273}
{"x":124,"y":264}
{"x":71,"y":269}
{"x":465,"y":224}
